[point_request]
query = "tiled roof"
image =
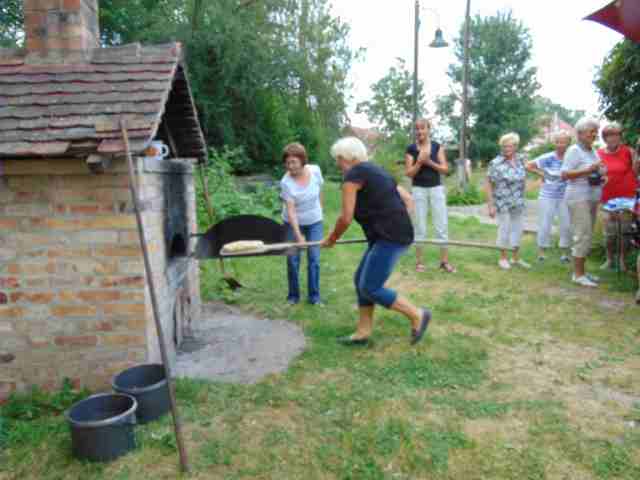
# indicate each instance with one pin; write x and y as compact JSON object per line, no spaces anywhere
{"x":67,"y":109}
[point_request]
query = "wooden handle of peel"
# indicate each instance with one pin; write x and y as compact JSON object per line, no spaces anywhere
{"x":286,"y":245}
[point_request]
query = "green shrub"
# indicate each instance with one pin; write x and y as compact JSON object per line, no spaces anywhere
{"x":389,"y":154}
{"x":226,"y":198}
{"x":472,"y":195}
{"x":34,"y":416}
{"x":4,"y":432}
{"x":38,"y":403}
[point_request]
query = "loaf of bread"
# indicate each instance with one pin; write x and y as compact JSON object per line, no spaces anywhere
{"x":242,"y":246}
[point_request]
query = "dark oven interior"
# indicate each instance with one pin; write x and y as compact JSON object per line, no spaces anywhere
{"x":175,"y":222}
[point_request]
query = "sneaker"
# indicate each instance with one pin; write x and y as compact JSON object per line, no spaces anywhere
{"x":593,"y":278}
{"x":607,"y":265}
{"x":584,"y":281}
{"x":565,"y":259}
{"x":541,"y":258}
{"x":521,"y":263}
{"x":504,"y":264}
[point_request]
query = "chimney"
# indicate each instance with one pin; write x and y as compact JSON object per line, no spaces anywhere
{"x":61,"y":31}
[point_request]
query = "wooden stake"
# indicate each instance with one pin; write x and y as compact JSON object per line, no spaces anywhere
{"x":184,"y":463}
{"x":231,"y":281}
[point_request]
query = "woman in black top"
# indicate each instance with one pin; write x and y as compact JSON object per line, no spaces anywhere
{"x":425,"y":161}
{"x":380,"y":206}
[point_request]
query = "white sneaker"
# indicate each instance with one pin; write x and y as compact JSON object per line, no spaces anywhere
{"x":593,"y":278}
{"x":504,"y":264}
{"x":584,"y":281}
{"x":521,"y":263}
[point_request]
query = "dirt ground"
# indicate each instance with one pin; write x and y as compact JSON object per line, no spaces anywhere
{"x":229,"y":345}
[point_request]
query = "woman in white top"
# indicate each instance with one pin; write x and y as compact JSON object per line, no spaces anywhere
{"x":581,"y":170}
{"x":301,"y":191}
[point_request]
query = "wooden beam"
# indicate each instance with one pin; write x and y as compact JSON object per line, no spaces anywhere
{"x":98,"y":164}
{"x":172,"y":143}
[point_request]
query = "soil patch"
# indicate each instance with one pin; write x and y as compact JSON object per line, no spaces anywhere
{"x":236,"y":347}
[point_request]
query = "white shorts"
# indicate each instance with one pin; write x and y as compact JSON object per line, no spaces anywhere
{"x":434,"y":198}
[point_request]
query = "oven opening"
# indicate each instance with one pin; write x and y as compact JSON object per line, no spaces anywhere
{"x":178,"y":246}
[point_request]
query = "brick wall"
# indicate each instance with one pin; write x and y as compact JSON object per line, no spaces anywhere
{"x":152,"y":190}
{"x":73,"y":301}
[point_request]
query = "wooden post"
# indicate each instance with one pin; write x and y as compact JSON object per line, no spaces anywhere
{"x":177,"y":424}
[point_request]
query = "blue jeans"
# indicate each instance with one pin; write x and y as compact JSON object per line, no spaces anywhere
{"x":312,"y":233}
{"x":374,"y":270}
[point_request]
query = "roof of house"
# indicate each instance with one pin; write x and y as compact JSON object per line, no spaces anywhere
{"x":75,"y":109}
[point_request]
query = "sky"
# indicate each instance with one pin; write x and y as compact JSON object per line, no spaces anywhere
{"x":566,"y":49}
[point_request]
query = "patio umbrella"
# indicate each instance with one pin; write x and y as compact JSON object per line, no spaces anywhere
{"x":622,"y":16}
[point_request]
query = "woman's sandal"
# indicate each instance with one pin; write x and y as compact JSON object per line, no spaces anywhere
{"x":416,"y":335}
{"x":420,"y":268}
{"x":447,"y":267}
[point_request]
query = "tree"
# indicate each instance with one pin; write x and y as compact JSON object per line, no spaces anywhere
{"x":263,"y":73}
{"x":11,"y":23}
{"x":502,"y":84}
{"x":391,"y":106}
{"x":618,"y":81}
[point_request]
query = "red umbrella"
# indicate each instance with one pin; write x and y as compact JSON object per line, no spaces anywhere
{"x":622,"y":16}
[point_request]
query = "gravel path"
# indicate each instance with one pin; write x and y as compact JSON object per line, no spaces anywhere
{"x":228,"y":345}
{"x":480,"y":212}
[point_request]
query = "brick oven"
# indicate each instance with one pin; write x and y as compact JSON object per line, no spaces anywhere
{"x":74,"y":300}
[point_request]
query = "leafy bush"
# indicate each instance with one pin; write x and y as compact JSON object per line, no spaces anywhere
{"x":389,"y":154}
{"x":472,"y":195}
{"x":226,"y":198}
{"x":239,"y":162}
{"x":34,"y":416}
{"x":4,"y":433}
{"x":38,"y":403}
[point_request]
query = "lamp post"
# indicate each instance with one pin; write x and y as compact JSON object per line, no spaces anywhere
{"x":438,"y":42}
{"x":462,"y":172}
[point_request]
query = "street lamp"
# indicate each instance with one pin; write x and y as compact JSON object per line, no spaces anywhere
{"x":438,"y":42}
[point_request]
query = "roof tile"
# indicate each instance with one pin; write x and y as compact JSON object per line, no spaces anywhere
{"x":54,"y":109}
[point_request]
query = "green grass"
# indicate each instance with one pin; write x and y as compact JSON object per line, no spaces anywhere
{"x":521,"y":376}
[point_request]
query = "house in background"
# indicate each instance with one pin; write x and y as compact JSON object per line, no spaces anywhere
{"x":549,"y":125}
{"x":74,"y":300}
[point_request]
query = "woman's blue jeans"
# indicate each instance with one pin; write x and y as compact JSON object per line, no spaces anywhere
{"x":312,"y":233}
{"x":373,"y":272}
